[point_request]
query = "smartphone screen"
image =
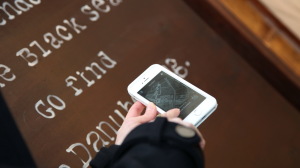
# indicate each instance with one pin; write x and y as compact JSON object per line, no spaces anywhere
{"x":168,"y":93}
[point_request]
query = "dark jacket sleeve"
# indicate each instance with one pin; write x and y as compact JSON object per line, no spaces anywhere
{"x":150,"y":145}
{"x":104,"y":157}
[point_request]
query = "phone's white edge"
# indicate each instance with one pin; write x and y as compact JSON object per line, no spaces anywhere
{"x":196,"y":117}
{"x":206,"y":116}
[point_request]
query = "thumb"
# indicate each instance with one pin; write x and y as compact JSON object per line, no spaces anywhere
{"x":150,"y":113}
{"x":173,"y":113}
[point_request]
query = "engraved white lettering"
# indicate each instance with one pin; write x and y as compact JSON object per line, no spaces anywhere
{"x":6,"y":74}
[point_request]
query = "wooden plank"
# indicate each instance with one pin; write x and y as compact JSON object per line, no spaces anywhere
{"x":274,"y":35}
{"x":287,"y":12}
{"x":274,"y":63}
{"x":133,"y":35}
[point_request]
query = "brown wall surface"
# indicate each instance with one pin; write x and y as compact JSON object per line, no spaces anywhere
{"x":66,"y":122}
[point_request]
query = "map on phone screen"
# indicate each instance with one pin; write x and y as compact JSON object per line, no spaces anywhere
{"x":168,"y":93}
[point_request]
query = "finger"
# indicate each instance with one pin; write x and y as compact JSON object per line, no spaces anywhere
{"x":202,"y":142}
{"x":171,"y":113}
{"x":135,"y":110}
{"x":176,"y":120}
{"x":150,"y":113}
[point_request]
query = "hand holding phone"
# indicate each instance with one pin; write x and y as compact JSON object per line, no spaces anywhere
{"x":167,"y":91}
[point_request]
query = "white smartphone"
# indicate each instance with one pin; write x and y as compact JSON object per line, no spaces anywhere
{"x":167,"y":91}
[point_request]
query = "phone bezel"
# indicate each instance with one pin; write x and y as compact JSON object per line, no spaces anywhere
{"x":196,"y":117}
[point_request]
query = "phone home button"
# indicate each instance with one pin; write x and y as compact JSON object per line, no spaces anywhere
{"x":197,"y":112}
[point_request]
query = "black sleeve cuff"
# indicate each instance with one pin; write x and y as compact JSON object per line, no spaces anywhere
{"x":160,"y":132}
{"x":154,"y":139}
{"x":104,"y":157}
